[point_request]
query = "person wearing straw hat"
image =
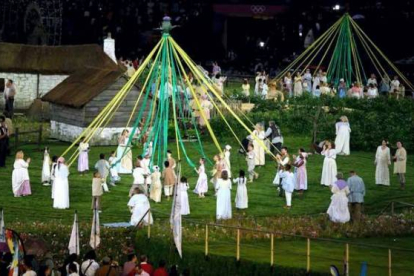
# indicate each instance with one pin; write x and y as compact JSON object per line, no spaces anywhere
{"x":338,"y":209}
{"x":61,"y":185}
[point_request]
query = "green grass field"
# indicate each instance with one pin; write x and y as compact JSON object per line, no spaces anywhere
{"x":263,"y":202}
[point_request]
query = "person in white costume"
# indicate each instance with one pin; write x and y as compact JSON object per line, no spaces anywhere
{"x":343,"y":135}
{"x":329,"y":169}
{"x":156,"y":186}
{"x":139,"y":206}
{"x":202,"y":181}
{"x":183,"y":187}
{"x":241,"y":195}
{"x":223,"y":210}
{"x":257,"y":137}
{"x":61,"y":185}
{"x":46,"y":168}
{"x":382,"y":164}
{"x":297,"y":86}
{"x":338,"y":209}
{"x":20,"y":176}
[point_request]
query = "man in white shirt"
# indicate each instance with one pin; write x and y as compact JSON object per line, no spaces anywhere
{"x":89,"y":266}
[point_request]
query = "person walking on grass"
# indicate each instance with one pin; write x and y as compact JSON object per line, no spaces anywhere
{"x":400,"y":163}
{"x":97,"y":191}
{"x":103,"y":168}
{"x":251,"y":164}
{"x":202,"y":181}
{"x":288,"y":184}
{"x":223,"y":210}
{"x":338,"y":209}
{"x":241,"y":195}
{"x":169,"y":179}
{"x":83,"y":159}
{"x":356,"y":195}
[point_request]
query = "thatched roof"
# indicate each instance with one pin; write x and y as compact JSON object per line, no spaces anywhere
{"x":90,"y":70}
{"x":52,"y":60}
{"x":83,"y":86}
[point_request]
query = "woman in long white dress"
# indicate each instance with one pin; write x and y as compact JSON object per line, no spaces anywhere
{"x":343,"y":135}
{"x":338,"y":209}
{"x":257,"y":137}
{"x":287,"y":80}
{"x":307,"y":81}
{"x":246,"y":88}
{"x":139,"y":206}
{"x":226,"y":159}
{"x":241,"y":195}
{"x":297,"y":86}
{"x":46,"y":168}
{"x":182,"y":189}
{"x":124,"y":154}
{"x":83,"y":159}
{"x":206,"y":106}
{"x":329,"y":169}
{"x":156,"y":186}
{"x":61,"y":185}
{"x":20,"y":176}
{"x":223,"y":209}
{"x":202,"y":181}
{"x":382,"y":162}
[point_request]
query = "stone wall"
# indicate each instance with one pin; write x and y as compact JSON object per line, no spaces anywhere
{"x":68,"y":133}
{"x":30,"y":87}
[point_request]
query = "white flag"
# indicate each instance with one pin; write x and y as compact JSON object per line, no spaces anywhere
{"x":175,"y":219}
{"x":95,"y":231}
{"x":74,"y":238}
{"x":2,"y":228}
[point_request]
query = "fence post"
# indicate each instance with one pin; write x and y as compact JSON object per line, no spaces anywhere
{"x":39,"y":141}
{"x":238,"y":245}
{"x":347,"y":259}
{"x":272,"y":249}
{"x":206,"y":242}
{"x":389,"y":263}
{"x":392,"y":208}
{"x":308,"y":262}
{"x":149,"y":224}
{"x":16,"y":137}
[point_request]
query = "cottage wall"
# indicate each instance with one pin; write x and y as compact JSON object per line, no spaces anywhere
{"x":30,"y":86}
{"x":68,"y":123}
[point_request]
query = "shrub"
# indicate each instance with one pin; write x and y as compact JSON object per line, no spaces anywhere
{"x":371,"y":119}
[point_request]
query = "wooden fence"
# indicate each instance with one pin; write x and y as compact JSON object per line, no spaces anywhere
{"x":18,"y":134}
{"x":239,"y":231}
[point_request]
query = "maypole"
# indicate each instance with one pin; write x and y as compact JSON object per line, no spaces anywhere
{"x":346,"y":51}
{"x":166,"y":92}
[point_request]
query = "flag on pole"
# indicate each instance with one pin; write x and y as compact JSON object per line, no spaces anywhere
{"x":2,"y":228}
{"x":175,"y":219}
{"x":95,"y":231}
{"x":74,"y":237}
